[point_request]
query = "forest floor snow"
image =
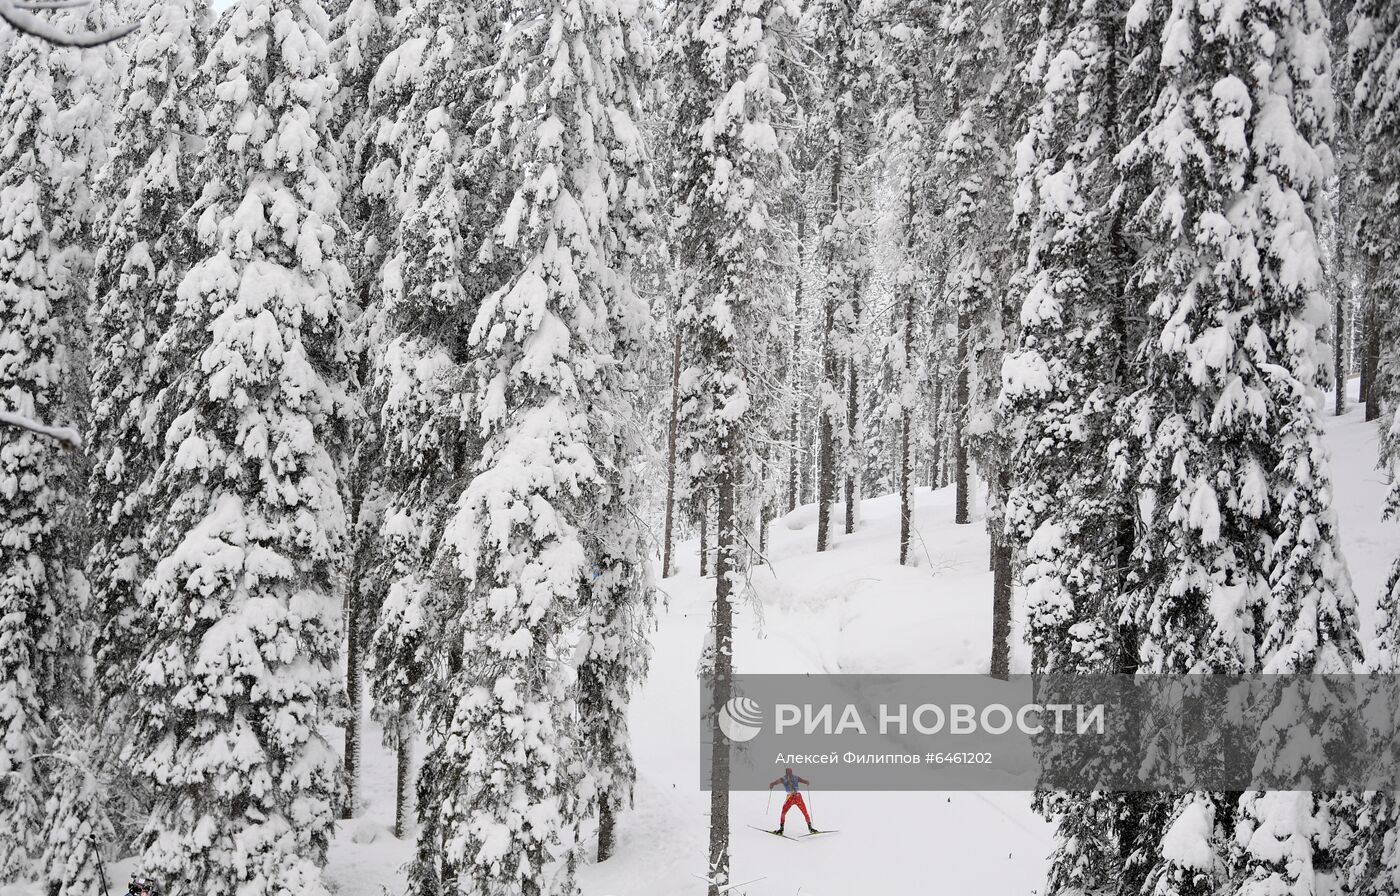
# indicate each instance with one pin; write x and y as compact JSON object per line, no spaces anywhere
{"x":852,"y":609}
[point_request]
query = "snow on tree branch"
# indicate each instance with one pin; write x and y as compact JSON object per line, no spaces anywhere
{"x":69,"y":437}
{"x":21,"y":17}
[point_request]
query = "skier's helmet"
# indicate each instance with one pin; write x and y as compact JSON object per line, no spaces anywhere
{"x":143,"y":886}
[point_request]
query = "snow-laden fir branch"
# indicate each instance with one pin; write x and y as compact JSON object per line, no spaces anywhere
{"x":22,"y":18}
{"x":64,"y":434}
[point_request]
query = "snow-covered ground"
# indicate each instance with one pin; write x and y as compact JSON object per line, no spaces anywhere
{"x":1368,"y":543}
{"x":853,"y":609}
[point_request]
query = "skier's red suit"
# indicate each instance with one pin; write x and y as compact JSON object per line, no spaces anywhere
{"x":794,"y":798}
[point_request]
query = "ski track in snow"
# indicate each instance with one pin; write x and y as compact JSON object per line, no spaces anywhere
{"x":853,"y":609}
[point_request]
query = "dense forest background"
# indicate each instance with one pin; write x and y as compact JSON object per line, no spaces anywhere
{"x":371,"y":357}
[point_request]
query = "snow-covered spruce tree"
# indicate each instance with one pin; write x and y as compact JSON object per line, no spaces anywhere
{"x":1234,"y":484}
{"x":1062,"y":385}
{"x":377,"y":59}
{"x":729,"y":176}
{"x":1059,"y":389}
{"x":613,"y":651}
{"x":77,"y":819}
{"x":30,"y":464}
{"x":567,"y":161}
{"x":144,"y":251}
{"x":423,"y":208}
{"x":986,"y":87}
{"x":905,"y":152}
{"x":237,"y":664}
{"x":56,"y":105}
{"x":363,"y":34}
{"x":966,"y":176}
{"x":1239,"y":569}
{"x":841,"y":125}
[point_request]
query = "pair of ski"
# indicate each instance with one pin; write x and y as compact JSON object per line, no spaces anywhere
{"x":798,"y":839}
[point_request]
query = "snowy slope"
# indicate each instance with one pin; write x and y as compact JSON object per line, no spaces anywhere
{"x":1368,"y":544}
{"x":853,"y":609}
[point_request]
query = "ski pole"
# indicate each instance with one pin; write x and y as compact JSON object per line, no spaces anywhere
{"x":101,"y":872}
{"x":770,"y":803}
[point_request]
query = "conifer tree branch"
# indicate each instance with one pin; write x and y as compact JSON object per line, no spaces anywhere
{"x":69,"y":437}
{"x":21,"y":17}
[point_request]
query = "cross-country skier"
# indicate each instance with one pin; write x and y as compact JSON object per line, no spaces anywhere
{"x":794,"y":798}
{"x":142,"y":886}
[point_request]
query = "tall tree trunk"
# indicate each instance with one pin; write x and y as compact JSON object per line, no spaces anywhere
{"x":826,"y":430}
{"x":831,"y":367}
{"x":1361,"y":320}
{"x":795,"y":371}
{"x":906,"y":487}
{"x":961,"y":474}
{"x":354,"y":693}
{"x":936,"y":448}
{"x":666,"y":569}
{"x":1373,"y":360}
{"x":906,"y":411}
{"x":853,"y":452}
{"x":764,"y":516}
{"x":725,"y":563}
{"x":794,"y":483}
{"x":403,"y":779}
{"x":1339,"y":370}
{"x":606,"y":830}
{"x":360,"y":547}
{"x":1001,"y":606}
{"x":704,"y":536}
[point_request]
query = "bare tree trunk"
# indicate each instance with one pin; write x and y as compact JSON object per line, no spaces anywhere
{"x":852,"y":464}
{"x":795,"y":371}
{"x":831,"y":368}
{"x":725,"y":569}
{"x":763,"y":517}
{"x":936,"y":452}
{"x":1339,"y":367}
{"x":1001,"y":606}
{"x":1373,"y":360}
{"x":606,"y":831}
{"x":906,"y":488}
{"x":355,"y":612}
{"x":666,"y":569}
{"x":354,"y":693}
{"x":1339,"y":370}
{"x":826,"y":431}
{"x":961,"y":476}
{"x":906,"y":412}
{"x":794,"y":467}
{"x":704,"y":535}
{"x":1361,"y":320}
{"x":1363,"y":375}
{"x":403,"y":781}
